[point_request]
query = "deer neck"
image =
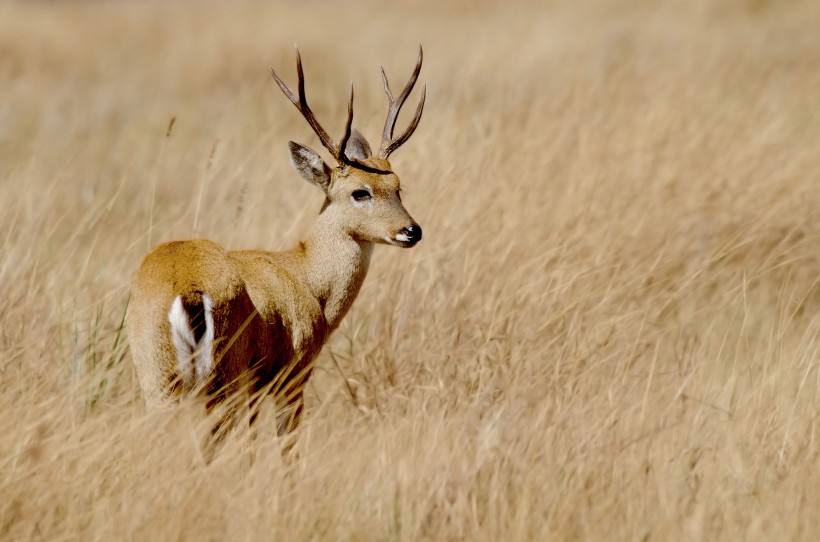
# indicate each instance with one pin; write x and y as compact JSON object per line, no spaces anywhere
{"x":335,"y":266}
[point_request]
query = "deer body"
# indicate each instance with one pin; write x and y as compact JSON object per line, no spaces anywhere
{"x":209,"y":321}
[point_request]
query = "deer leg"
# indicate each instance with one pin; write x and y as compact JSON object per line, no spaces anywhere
{"x":257,"y":399}
{"x":223,"y":402}
{"x":289,"y":417}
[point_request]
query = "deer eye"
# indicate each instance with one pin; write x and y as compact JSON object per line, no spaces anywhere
{"x":361,"y":195}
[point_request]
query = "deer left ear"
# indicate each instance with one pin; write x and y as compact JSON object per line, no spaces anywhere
{"x":310,"y":165}
{"x":357,"y":147}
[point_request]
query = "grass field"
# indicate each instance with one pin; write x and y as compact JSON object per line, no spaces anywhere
{"x":611,"y":330}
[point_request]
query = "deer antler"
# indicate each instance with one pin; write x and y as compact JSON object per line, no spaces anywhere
{"x":388,"y":143}
{"x":338,"y":151}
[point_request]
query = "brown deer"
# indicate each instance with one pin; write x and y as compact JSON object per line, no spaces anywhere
{"x":209,"y":322}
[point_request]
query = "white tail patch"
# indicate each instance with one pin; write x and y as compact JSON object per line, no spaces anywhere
{"x":195,"y":360}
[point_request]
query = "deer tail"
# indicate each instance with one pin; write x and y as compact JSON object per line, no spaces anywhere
{"x":192,"y":334}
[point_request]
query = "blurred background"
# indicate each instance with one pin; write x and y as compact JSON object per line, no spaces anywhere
{"x":609,"y":331}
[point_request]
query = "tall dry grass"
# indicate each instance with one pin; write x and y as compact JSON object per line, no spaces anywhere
{"x":609,"y":332}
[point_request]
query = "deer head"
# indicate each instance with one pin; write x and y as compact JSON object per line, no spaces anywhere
{"x":363,"y":193}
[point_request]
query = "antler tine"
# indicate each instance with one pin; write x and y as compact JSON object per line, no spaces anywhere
{"x":301,"y":104}
{"x":386,"y":86}
{"x":396,"y":143}
{"x":388,"y":143}
{"x":348,"y":126}
{"x":284,"y":88}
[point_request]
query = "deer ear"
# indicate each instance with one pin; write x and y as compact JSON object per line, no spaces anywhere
{"x":309,"y":165}
{"x":357,"y":146}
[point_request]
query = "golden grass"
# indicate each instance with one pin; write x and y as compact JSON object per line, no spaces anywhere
{"x":609,"y":332}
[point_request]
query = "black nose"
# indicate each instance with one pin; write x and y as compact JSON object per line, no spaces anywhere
{"x":413,"y":233}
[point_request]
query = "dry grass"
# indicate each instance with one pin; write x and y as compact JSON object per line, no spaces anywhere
{"x":610,"y":331}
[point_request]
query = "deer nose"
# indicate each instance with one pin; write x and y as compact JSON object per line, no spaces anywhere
{"x":412,"y":232}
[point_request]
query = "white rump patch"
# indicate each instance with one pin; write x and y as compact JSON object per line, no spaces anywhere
{"x":195,"y":360}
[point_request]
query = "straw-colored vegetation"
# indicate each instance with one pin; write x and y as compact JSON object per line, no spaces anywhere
{"x":610,"y":330}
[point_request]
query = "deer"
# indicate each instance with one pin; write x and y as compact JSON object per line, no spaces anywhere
{"x":219,"y":324}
